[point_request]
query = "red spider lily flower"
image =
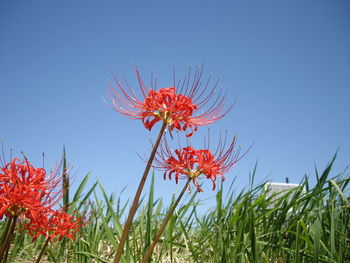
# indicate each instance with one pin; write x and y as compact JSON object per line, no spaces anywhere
{"x":188,"y":163}
{"x":17,"y":172}
{"x":185,"y":105}
{"x":55,"y":223}
{"x":18,"y":201}
{"x":26,"y":190}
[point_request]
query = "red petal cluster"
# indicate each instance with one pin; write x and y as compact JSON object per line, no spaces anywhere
{"x":29,"y":194}
{"x":181,"y":106}
{"x":165,"y":105}
{"x":25,"y":189}
{"x":55,"y":223}
{"x":188,"y":163}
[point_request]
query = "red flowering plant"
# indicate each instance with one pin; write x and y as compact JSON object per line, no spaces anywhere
{"x":193,"y":165}
{"x":189,"y":163}
{"x":183,"y":106}
{"x":54,"y":223}
{"x":26,"y":190}
{"x":28,"y":196}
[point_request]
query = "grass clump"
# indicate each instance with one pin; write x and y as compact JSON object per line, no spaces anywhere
{"x":305,"y":224}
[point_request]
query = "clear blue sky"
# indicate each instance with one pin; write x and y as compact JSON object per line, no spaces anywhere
{"x":287,"y":63}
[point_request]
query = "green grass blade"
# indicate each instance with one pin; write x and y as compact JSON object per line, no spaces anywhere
{"x":65,"y":182}
{"x":149,"y":220}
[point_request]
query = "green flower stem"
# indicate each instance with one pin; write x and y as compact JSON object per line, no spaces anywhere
{"x":134,"y":205}
{"x":42,"y":250}
{"x":5,"y":237}
{"x":7,"y":244}
{"x":165,"y":222}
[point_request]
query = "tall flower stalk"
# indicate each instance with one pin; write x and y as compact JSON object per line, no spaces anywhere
{"x":164,"y":224}
{"x":134,"y":205}
{"x":184,"y":106}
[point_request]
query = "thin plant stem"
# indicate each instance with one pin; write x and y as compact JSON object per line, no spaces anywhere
{"x":42,"y":250}
{"x":134,"y":205}
{"x":7,"y":245}
{"x":164,"y":224}
{"x":5,"y":237}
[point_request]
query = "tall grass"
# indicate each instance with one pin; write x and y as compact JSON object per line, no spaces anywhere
{"x":306,"y":224}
